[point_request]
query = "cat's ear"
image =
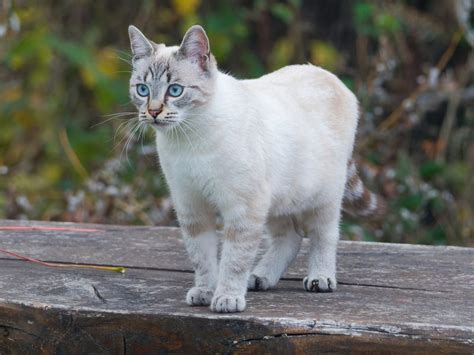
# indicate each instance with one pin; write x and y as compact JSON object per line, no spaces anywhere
{"x":195,"y":47}
{"x":141,"y":46}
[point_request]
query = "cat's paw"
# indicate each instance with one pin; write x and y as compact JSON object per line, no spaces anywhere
{"x":258,"y":283}
{"x":228,"y":303}
{"x":320,"y":284}
{"x":199,"y":296}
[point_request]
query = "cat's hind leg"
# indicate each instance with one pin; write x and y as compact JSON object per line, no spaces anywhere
{"x":322,"y":226}
{"x":285,"y":244}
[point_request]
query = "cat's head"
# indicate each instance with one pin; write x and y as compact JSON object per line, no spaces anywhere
{"x":169,"y":83}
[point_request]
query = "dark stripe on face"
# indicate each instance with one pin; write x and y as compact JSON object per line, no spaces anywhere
{"x":195,"y":87}
{"x":152,"y":73}
{"x":157,"y":67}
{"x":183,"y":101}
{"x":164,"y":69}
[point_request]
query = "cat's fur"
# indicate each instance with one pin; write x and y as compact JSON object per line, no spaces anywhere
{"x":271,"y":154}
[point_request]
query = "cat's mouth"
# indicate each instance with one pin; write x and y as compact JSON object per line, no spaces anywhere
{"x":159,"y":123}
{"x":162,"y":123}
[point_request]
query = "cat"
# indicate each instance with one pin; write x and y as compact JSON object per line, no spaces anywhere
{"x":270,"y":155}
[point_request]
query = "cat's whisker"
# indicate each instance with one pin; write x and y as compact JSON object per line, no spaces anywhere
{"x":128,"y":54}
{"x":197,"y":114}
{"x":141,"y":135}
{"x":123,"y":117}
{"x":172,"y":134}
{"x":120,"y":141}
{"x":129,"y":62}
{"x":193,"y":126}
{"x":125,"y":137}
{"x":200,"y":119}
{"x":123,"y":56}
{"x":140,"y":139}
{"x":194,"y":131}
{"x":122,"y":127}
{"x":139,"y":131}
{"x":130,"y":140}
{"x":186,"y":135}
{"x":118,"y":144}
{"x":175,"y":130}
{"x":120,"y":114}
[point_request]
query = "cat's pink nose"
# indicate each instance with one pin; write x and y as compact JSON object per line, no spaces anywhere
{"x":155,"y":113}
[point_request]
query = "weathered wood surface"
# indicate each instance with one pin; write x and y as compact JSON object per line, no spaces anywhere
{"x":393,"y":298}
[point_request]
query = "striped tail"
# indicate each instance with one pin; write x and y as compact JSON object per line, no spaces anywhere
{"x":358,"y":199}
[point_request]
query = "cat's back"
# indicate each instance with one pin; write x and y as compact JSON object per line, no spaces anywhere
{"x":315,"y":90}
{"x":302,"y":77}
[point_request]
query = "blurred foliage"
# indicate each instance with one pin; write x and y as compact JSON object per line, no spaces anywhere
{"x":64,"y":74}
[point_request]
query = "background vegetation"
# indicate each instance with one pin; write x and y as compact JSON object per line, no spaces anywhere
{"x":64,"y":68}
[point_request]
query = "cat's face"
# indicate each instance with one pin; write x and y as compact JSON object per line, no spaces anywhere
{"x":168,"y":83}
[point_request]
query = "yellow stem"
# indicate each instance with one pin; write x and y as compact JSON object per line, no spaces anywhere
{"x":71,"y":154}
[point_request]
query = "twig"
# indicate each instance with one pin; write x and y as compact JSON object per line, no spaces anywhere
{"x":71,"y":154}
{"x":396,"y":114}
{"x":60,"y":265}
{"x":39,"y":228}
{"x":453,"y":104}
{"x":447,"y":126}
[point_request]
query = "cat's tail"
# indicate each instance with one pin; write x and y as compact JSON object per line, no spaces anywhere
{"x":358,"y":199}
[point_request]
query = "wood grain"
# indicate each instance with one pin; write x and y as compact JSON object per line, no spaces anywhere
{"x":391,"y":298}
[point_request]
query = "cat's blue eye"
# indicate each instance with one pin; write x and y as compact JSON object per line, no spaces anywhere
{"x":143,"y":90}
{"x":175,"y":90}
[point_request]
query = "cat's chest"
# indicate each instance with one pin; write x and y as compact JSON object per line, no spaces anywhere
{"x":190,"y":171}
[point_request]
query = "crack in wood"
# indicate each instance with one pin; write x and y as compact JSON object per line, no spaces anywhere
{"x":6,"y":332}
{"x":98,"y":295}
{"x":355,"y":284}
{"x":236,"y":343}
{"x":124,"y":344}
{"x":335,"y":332}
{"x":387,"y":286}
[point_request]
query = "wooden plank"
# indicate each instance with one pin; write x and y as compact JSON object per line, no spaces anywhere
{"x":54,"y":309}
{"x":377,"y":264}
{"x":408,"y":298}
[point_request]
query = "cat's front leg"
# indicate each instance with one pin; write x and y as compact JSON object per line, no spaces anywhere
{"x":201,"y":244}
{"x":241,"y":240}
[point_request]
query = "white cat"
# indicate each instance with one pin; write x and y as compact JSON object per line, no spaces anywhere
{"x":271,"y":154}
